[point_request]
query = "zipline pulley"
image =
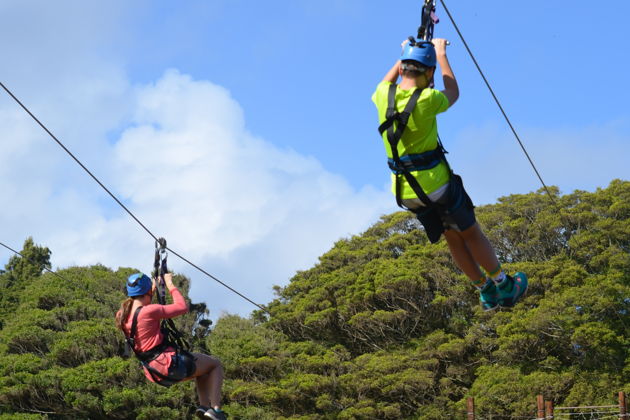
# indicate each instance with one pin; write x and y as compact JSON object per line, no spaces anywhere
{"x":429,"y":19}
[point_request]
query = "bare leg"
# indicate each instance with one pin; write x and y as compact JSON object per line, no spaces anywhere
{"x":209,"y":377}
{"x":203,"y":390}
{"x":480,"y":248}
{"x":461,"y":254}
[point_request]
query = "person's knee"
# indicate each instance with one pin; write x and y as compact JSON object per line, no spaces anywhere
{"x":454,"y":237}
{"x":473,"y":232}
{"x":206,"y":363}
{"x":214,"y":361}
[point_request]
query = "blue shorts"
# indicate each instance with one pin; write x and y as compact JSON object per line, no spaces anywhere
{"x":182,"y":366}
{"x":453,"y":210}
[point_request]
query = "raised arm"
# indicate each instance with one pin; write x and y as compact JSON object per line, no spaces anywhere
{"x":178,"y":307}
{"x":451,"y":89}
{"x":392,"y":74}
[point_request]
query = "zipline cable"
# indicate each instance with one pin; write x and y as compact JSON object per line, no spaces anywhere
{"x":45,"y":268}
{"x":497,"y":101}
{"x":75,"y":159}
{"x":120,"y":203}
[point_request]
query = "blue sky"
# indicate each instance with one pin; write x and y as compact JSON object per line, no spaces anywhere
{"x":288,"y":63}
{"x":244,"y":131}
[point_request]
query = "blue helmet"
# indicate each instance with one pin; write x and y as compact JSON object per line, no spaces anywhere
{"x":420,"y":51}
{"x":138,"y":284}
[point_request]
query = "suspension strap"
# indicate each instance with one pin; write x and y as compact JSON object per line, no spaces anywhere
{"x":171,"y":334}
{"x":160,"y":268}
{"x":429,"y":19}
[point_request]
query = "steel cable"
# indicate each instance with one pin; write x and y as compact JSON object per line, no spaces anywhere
{"x":119,"y":202}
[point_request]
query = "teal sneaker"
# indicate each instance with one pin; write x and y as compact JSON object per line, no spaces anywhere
{"x":489,"y":296}
{"x":201,"y":411}
{"x":511,"y":290}
{"x":216,"y":414}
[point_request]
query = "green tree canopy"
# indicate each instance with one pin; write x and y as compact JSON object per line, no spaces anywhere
{"x":383,"y":326}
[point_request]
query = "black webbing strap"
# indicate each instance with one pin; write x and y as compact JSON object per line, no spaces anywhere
{"x":134,"y":327}
{"x":160,"y":268}
{"x":425,"y":31}
{"x":392,"y":115}
{"x":418,"y":162}
{"x":171,"y":333}
{"x":150,"y":354}
{"x":394,"y":133}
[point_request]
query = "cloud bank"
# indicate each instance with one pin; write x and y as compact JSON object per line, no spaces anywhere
{"x":187,"y":167}
{"x":179,"y":153}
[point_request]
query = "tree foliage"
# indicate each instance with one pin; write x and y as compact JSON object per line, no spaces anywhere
{"x":383,"y":326}
{"x":61,"y":354}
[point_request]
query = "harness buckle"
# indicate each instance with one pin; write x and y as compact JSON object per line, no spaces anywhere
{"x":403,"y":118}
{"x":391,"y":113}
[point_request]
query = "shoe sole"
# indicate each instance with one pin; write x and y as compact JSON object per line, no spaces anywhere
{"x":481,"y":302}
{"x":494,"y":308}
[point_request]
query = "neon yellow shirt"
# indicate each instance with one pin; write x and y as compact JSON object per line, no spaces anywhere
{"x":420,"y":135}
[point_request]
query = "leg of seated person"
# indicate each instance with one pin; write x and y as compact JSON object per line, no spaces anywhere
{"x":209,"y":377}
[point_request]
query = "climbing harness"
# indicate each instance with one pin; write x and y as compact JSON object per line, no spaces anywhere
{"x":396,"y":122}
{"x":146,"y":357}
{"x":407,"y":163}
{"x":172,"y":338}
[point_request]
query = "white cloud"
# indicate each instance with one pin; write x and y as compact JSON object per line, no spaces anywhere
{"x":189,"y":169}
{"x":178,"y":152}
{"x":245,"y":210}
{"x":220,"y":194}
{"x":493,"y":164}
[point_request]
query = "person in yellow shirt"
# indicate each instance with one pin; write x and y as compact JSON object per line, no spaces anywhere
{"x":422,"y":179}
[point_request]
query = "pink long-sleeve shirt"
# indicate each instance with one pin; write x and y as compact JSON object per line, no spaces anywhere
{"x":148,"y":333}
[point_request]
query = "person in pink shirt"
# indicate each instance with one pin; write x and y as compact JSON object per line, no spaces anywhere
{"x":163,"y":362}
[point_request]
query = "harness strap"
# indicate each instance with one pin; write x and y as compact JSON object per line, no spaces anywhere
{"x":171,"y":334}
{"x":134,"y":325}
{"x":392,"y":115}
{"x":418,"y":162}
{"x":146,"y":356}
{"x":393,"y":137}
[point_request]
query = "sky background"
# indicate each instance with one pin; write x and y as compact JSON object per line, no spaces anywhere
{"x":244,"y":133}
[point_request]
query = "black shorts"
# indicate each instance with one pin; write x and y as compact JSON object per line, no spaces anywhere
{"x":454,"y":210}
{"x":182,"y":366}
